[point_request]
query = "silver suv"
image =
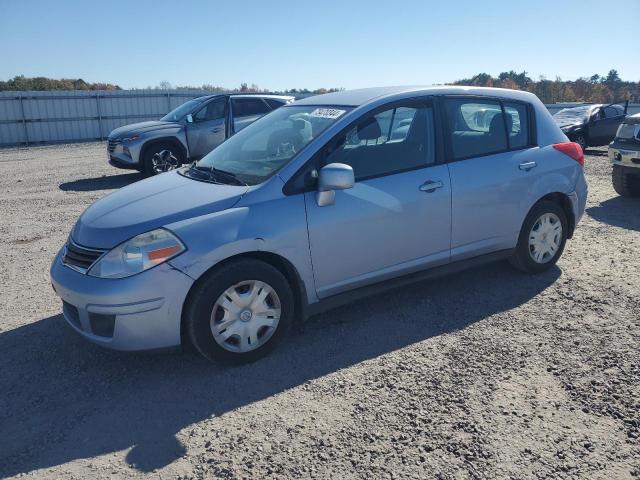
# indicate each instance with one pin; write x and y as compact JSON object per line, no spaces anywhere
{"x":187,"y":133}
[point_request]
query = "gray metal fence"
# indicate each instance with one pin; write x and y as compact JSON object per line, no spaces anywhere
{"x":66,"y":116}
{"x":28,"y":118}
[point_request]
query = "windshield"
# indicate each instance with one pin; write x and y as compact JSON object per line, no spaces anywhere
{"x":261,"y":149}
{"x":572,"y":115}
{"x":179,"y":113}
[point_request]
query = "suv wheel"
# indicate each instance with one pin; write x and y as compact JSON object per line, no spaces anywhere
{"x":625,"y":183}
{"x":542,"y":238}
{"x":161,"y":158}
{"x":240,"y":311}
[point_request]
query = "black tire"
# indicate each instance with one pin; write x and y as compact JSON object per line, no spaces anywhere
{"x":581,"y":140}
{"x":625,"y":183}
{"x":149,"y":152}
{"x":203,"y":299}
{"x":522,"y":258}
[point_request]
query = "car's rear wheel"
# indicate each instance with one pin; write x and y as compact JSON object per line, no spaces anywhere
{"x":240,"y":311}
{"x":626,"y":183}
{"x":160,"y":158}
{"x":542,"y":238}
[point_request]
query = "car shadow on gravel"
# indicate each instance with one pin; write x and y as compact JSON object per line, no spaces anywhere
{"x":596,"y":153}
{"x":105,"y":182}
{"x":621,"y":212}
{"x":64,"y":399}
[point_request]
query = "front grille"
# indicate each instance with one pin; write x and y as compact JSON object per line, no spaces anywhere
{"x":111,"y":145}
{"x":71,"y":313}
{"x":80,"y":258}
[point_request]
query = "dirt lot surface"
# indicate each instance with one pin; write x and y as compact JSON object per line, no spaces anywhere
{"x":485,"y":374}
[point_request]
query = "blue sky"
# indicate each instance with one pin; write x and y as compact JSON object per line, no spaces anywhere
{"x":286,"y":44}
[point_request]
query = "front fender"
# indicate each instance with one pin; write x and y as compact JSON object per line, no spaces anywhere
{"x":276,"y":226}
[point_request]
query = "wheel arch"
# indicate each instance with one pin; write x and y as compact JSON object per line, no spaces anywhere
{"x":563,"y":200}
{"x":284,"y":266}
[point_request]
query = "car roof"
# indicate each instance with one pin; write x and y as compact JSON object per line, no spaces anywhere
{"x":246,"y":95}
{"x":363,"y":96}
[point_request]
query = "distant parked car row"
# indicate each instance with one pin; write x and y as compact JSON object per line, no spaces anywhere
{"x":187,"y":133}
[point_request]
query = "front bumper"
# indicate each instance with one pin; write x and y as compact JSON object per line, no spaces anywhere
{"x":141,"y":312}
{"x":625,"y":156}
{"x":124,"y":154}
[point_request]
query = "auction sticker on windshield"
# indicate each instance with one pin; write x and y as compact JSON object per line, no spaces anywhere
{"x":327,"y":113}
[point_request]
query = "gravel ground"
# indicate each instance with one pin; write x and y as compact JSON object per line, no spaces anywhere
{"x":485,"y":374}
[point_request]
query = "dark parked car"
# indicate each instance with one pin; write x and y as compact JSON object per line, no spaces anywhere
{"x":187,"y":133}
{"x":591,"y":125}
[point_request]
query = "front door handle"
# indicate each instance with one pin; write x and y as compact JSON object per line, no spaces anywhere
{"x":217,"y":130}
{"x":431,"y":186}
{"x":526,"y":166}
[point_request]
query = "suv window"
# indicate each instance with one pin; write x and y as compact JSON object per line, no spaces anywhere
{"x":398,"y":139}
{"x":476,"y":127}
{"x":245,"y":107}
{"x":211,"y":111}
{"x":274,"y":102}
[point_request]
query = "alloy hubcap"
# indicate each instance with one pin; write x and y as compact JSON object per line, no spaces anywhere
{"x":545,"y":238}
{"x":245,"y":316}
{"x":164,"y":161}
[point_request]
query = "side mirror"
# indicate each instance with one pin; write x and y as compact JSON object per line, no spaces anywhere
{"x":189,"y":118}
{"x":332,"y":177}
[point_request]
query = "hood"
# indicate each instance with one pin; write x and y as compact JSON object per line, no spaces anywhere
{"x":564,"y":122}
{"x":150,"y":204}
{"x":141,"y":127}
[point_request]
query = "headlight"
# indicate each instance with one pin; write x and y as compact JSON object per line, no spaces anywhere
{"x":138,"y":254}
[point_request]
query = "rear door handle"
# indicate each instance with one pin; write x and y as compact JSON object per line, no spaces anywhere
{"x":526,"y":166}
{"x":217,"y":130}
{"x":431,"y":186}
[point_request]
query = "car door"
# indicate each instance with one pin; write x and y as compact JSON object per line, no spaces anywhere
{"x":613,"y":117}
{"x":397,"y":217}
{"x":246,"y":110}
{"x":208,"y":129}
{"x":598,"y":127}
{"x":490,"y":173}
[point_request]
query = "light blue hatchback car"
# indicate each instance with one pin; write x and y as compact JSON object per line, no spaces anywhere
{"x":321,"y":201}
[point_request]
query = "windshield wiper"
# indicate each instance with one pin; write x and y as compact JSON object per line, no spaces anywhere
{"x":215,"y":175}
{"x":232,"y":176}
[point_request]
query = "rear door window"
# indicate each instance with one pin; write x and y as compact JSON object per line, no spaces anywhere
{"x":246,"y":107}
{"x":476,"y":127}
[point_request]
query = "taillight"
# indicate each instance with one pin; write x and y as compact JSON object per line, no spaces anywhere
{"x":571,"y":149}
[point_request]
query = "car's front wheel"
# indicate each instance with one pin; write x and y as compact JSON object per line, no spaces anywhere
{"x":542,"y":238}
{"x":160,"y":158}
{"x":239,"y":312}
{"x":581,"y":140}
